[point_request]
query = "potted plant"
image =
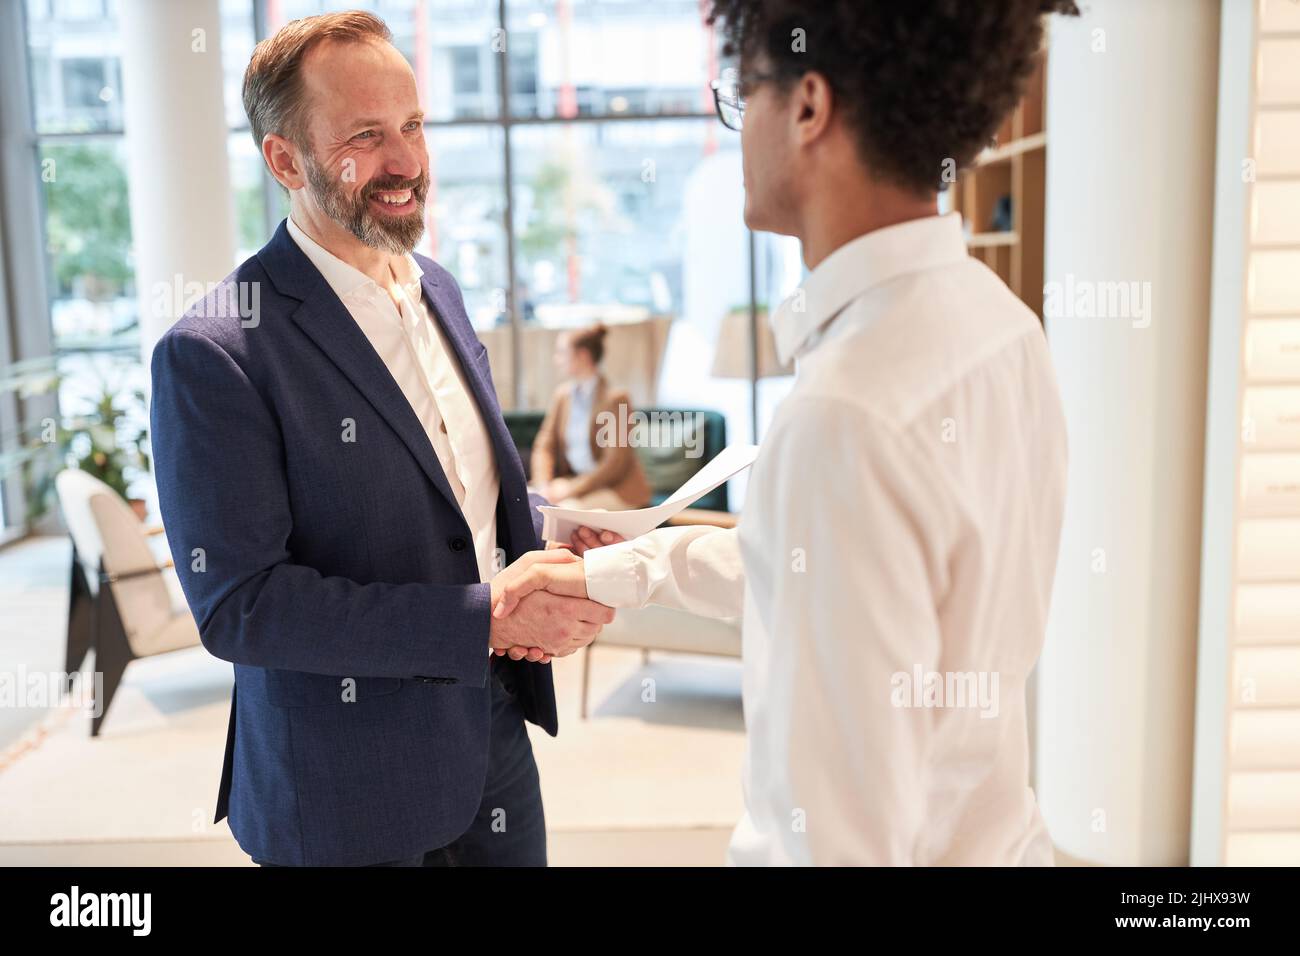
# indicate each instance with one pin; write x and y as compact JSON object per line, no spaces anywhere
{"x":100,"y":439}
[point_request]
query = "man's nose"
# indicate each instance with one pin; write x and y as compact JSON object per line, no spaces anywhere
{"x":403,"y":158}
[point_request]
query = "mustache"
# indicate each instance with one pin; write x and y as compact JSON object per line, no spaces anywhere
{"x":419,"y":185}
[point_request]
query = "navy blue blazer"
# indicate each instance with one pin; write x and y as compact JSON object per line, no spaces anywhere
{"x":323,"y":552}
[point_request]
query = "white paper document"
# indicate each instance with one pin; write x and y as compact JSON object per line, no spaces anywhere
{"x":558,"y":524}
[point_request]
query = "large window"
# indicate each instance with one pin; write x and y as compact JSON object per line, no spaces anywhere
{"x":75,"y":62}
{"x":595,"y":183}
{"x":579,"y":174}
{"x":79,"y":156}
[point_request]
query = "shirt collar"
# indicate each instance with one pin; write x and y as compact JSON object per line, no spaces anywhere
{"x":860,"y":265}
{"x":585,"y":388}
{"x":347,"y":280}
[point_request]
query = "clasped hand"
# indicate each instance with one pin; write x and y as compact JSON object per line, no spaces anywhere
{"x":540,"y":607}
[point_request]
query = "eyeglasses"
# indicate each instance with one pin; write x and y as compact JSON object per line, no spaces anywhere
{"x":729,"y":99}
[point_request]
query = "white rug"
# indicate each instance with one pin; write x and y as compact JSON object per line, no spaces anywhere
{"x":152,"y":774}
{"x":673,"y":762}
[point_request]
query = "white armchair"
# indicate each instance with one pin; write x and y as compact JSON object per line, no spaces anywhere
{"x":654,"y":628}
{"x":120,"y":603}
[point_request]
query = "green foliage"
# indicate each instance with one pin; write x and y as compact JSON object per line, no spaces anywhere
{"x":99,"y":441}
{"x":545,"y":232}
{"x":248,"y":215}
{"x":88,"y":221}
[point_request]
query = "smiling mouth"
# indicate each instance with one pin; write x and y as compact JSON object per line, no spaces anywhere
{"x":394,"y":201}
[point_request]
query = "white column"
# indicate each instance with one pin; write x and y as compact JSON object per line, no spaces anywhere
{"x":182,"y":216}
{"x":1130,"y":192}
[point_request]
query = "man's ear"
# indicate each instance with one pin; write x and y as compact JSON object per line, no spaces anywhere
{"x":281,"y":157}
{"x":814,"y":100}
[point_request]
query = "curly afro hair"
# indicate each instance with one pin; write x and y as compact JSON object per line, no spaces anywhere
{"x":921,"y":81}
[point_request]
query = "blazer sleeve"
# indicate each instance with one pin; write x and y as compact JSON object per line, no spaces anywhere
{"x":222,"y":487}
{"x":616,"y":458}
{"x":542,"y":468}
{"x":534,"y":499}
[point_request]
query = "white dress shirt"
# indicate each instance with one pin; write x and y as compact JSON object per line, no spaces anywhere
{"x":577,"y":429}
{"x":413,"y":346}
{"x":896,"y":552}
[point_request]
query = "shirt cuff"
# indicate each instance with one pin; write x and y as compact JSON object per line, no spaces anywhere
{"x":611,"y":574}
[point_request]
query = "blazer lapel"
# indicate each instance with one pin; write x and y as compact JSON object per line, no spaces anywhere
{"x":558,"y":444}
{"x":329,"y":324}
{"x":466,"y":347}
{"x":597,"y":406}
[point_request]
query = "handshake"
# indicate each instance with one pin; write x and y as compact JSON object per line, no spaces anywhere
{"x":540,"y":608}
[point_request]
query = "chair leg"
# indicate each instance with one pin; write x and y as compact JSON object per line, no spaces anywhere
{"x":112,"y":654}
{"x":586,"y":677}
{"x":81,"y":621}
{"x":645,"y":656}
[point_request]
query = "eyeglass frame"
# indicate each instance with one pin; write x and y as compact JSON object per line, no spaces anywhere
{"x":738,"y":103}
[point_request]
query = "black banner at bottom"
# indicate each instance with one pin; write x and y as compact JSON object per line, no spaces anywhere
{"x":211,"y":906}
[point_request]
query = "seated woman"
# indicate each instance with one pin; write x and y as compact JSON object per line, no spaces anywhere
{"x":576,"y":462}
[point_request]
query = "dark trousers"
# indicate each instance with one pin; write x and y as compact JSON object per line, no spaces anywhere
{"x":510,"y":827}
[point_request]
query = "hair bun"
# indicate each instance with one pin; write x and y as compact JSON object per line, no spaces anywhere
{"x":591,"y":338}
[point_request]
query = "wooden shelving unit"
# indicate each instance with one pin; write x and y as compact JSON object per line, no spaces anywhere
{"x":1013,"y":168}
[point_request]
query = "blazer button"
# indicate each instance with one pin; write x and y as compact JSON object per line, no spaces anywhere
{"x":457,"y":543}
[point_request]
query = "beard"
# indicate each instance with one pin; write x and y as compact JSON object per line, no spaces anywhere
{"x":397,"y":235}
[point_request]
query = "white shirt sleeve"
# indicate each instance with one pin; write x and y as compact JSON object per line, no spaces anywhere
{"x":695,"y":568}
{"x":848,"y":599}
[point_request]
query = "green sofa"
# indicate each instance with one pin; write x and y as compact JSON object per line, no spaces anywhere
{"x":666,"y":467}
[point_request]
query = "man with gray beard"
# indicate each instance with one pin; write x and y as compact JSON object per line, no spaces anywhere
{"x":341,"y":496}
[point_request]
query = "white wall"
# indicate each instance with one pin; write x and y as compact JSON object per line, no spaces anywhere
{"x":1131,"y":91}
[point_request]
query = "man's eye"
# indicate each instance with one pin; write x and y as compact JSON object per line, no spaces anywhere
{"x":364,"y":134}
{"x":413,"y":125}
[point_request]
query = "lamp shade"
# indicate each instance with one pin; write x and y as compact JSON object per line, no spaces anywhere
{"x":731,"y":358}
